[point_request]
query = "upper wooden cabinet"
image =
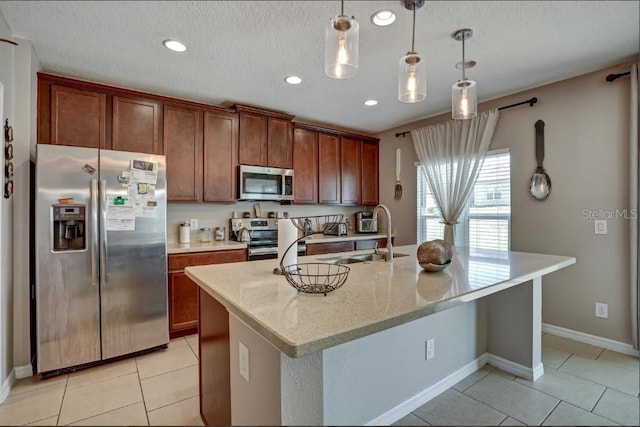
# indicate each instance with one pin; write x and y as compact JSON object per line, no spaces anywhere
{"x":220,"y":156}
{"x":305,"y":165}
{"x":77,"y":117}
{"x":265,"y":138}
{"x":328,"y":168}
{"x":136,"y":125}
{"x":351,"y":172}
{"x":370,"y":173}
{"x":183,"y":147}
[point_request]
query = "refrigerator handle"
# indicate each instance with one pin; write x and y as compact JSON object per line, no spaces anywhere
{"x":103,"y":240}
{"x":94,"y":232}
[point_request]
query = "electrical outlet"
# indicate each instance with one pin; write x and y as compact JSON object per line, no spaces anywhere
{"x":194,"y":224}
{"x":600,"y":226}
{"x":430,"y":348}
{"x":602,"y":310}
{"x":243,"y":355}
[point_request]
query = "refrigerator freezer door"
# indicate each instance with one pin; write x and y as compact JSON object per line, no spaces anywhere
{"x":67,"y":292}
{"x":133,"y":279}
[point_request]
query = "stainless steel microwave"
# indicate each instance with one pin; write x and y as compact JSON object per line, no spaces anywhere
{"x":263,"y":183}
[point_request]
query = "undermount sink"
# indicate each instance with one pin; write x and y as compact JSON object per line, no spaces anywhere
{"x":352,"y":259}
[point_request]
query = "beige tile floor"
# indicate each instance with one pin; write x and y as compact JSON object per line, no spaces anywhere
{"x":156,"y":389}
{"x":582,"y":385}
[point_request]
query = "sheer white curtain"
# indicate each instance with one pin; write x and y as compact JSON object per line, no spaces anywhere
{"x":451,"y":155}
{"x":634,"y":249}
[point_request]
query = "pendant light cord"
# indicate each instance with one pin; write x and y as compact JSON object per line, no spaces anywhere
{"x":463,"y":74}
{"x":413,"y":34}
{"x":342,"y":8}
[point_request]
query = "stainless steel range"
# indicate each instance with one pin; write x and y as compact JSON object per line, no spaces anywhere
{"x":260,"y":235}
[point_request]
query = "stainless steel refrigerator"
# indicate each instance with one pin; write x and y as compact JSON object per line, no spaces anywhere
{"x":101,"y":257}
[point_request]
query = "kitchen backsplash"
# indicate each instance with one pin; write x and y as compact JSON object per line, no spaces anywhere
{"x":217,"y":215}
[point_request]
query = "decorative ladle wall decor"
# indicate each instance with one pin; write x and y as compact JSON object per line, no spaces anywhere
{"x":540,"y":185}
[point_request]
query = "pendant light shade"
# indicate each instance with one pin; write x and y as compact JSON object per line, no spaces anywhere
{"x":464,"y":99}
{"x":412,"y":68}
{"x":341,"y":46}
{"x":412,"y":78}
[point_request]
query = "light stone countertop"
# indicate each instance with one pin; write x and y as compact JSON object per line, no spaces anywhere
{"x":214,"y":245}
{"x":376,"y":296}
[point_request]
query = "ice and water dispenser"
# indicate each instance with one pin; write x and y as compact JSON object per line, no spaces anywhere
{"x":69,"y":227}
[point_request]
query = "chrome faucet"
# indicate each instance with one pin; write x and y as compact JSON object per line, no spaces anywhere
{"x":389,"y":243}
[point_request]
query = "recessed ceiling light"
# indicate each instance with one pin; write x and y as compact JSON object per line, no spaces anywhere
{"x":174,"y":45}
{"x":370,"y":102}
{"x":293,"y":80}
{"x":382,"y":18}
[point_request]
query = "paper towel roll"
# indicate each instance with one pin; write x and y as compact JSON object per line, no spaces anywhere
{"x":185,"y":233}
{"x":287,"y":234}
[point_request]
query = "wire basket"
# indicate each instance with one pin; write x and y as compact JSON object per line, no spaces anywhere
{"x":316,"y":277}
{"x":317,"y":224}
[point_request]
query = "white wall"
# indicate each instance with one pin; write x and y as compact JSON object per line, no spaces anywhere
{"x":6,"y":215}
{"x":585,"y":155}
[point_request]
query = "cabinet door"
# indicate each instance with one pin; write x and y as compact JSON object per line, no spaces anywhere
{"x":183,"y":145}
{"x":135,"y":125}
{"x":78,"y":117}
{"x":220,"y":157}
{"x":329,"y":248}
{"x":328,"y":168}
{"x":252,"y":139}
{"x":183,"y":297}
{"x":351,"y":171}
{"x":370,"y":179}
{"x":280,"y":145}
{"x":305,"y":165}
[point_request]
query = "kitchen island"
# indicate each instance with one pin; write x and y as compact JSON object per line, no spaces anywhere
{"x":271,"y":355}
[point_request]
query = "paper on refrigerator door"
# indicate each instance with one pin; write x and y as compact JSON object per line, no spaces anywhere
{"x":120,"y":214}
{"x":143,"y":172}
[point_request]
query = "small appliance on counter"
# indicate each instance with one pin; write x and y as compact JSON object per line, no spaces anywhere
{"x":338,"y":229}
{"x":366,"y":223}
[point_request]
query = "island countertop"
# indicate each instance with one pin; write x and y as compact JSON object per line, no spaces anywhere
{"x":376,"y":296}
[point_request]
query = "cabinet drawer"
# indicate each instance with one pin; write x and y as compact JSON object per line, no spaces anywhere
{"x":329,"y":248}
{"x":180,"y":261}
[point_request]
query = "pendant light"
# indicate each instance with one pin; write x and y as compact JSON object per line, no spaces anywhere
{"x":341,"y":46}
{"x":464,"y":100}
{"x":412,"y":68}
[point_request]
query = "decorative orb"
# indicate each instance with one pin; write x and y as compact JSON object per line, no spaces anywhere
{"x":434,"y":255}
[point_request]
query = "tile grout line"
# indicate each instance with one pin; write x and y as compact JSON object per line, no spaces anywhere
{"x":489,"y":406}
{"x":551,"y":411}
{"x":167,"y":372}
{"x":104,"y":413}
{"x":191,"y":397}
{"x":599,"y":399}
{"x":591,"y":381}
{"x":144,"y":402}
{"x":64,"y":393}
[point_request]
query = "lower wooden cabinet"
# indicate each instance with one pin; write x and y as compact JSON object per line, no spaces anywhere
{"x":183,"y":292}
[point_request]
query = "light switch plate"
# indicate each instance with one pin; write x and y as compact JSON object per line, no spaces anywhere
{"x":600,"y":226}
{"x":243,"y":359}
{"x":602,"y":310}
{"x":194,"y":224}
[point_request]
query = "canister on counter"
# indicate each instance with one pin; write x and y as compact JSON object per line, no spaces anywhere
{"x":220,"y":233}
{"x":205,"y":234}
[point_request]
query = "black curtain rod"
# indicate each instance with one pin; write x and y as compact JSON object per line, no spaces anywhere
{"x":528,"y":101}
{"x":612,"y":77}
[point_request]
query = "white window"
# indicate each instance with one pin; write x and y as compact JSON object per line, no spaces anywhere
{"x":486,"y":220}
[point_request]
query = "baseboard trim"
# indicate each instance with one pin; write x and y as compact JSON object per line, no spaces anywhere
{"x":429,"y":393}
{"x":612,"y":345}
{"x":7,"y":384}
{"x":531,"y":374}
{"x":23,"y":371}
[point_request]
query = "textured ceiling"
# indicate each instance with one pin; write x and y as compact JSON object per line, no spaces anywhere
{"x":240,"y":51}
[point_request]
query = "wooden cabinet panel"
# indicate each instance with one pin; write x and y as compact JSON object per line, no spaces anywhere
{"x":370,"y":173}
{"x":305,"y":165}
{"x":183,"y":294}
{"x":220,"y":157}
{"x":280,"y":145}
{"x":78,"y":117}
{"x":252,"y":139}
{"x":183,"y":145}
{"x":329,"y":248}
{"x":136,"y":125}
{"x":351,"y":173}
{"x":328,"y":168}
